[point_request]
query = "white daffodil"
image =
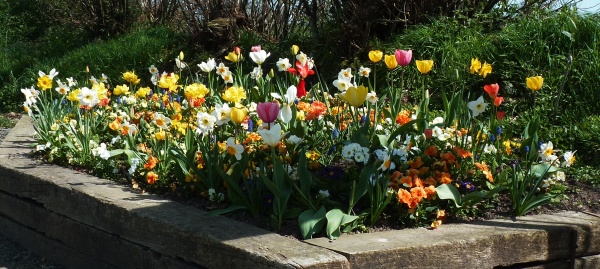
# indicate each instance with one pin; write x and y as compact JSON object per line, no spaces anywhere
{"x":569,"y":158}
{"x":283,"y":64}
{"x":222,"y":114}
{"x":222,"y":69}
{"x":345,"y":73}
{"x":477,"y":107}
{"x":234,"y":149}
{"x":372,"y":97}
{"x":51,"y":75}
{"x":88,"y":97}
{"x":342,"y":84}
{"x":227,"y":77}
{"x":256,"y":73}
{"x":364,"y":71}
{"x":205,"y":122}
{"x":161,"y":121}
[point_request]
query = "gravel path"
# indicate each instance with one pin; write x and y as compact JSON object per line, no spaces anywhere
{"x":12,"y":255}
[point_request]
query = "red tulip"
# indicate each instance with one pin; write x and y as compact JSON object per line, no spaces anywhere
{"x":237,"y":51}
{"x":268,"y":111}
{"x":492,"y":90}
{"x":428,"y":133}
{"x":403,"y":57}
{"x":500,"y":115}
{"x":498,"y":100}
{"x":301,"y":89}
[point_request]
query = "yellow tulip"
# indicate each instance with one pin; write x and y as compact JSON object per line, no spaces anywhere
{"x":234,"y":94}
{"x":535,"y":83}
{"x":238,"y":114}
{"x":121,"y":90}
{"x":232,"y":57}
{"x":390,"y":61}
{"x":355,"y":96}
{"x":375,"y":55}
{"x":295,"y":49}
{"x":424,"y":66}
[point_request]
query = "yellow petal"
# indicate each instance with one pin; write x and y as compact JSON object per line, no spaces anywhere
{"x":424,"y":66}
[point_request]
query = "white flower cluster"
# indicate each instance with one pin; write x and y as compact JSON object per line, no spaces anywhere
{"x":558,"y":176}
{"x":356,"y":152}
{"x":99,"y":150}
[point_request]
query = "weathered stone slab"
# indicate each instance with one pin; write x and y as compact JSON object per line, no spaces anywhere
{"x":477,"y":245}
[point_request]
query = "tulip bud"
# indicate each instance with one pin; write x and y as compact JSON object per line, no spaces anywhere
{"x":181,"y":55}
{"x":237,"y":51}
{"x":295,"y":49}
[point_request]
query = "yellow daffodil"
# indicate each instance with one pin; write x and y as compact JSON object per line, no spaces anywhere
{"x":475,"y":65}
{"x":535,"y":83}
{"x":131,"y":77}
{"x":44,"y":82}
{"x":234,"y":94}
{"x":375,"y":55}
{"x":390,"y":61}
{"x":232,"y":57}
{"x":160,"y":135}
{"x":424,"y":66}
{"x":72,"y":96}
{"x":355,"y":96}
{"x":485,"y":69}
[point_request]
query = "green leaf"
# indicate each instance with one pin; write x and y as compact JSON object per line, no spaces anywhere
{"x":449,"y":192}
{"x":311,"y":222}
{"x":224,"y":210}
{"x":540,"y":170}
{"x":335,"y":220}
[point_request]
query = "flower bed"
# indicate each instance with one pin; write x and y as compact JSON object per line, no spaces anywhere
{"x":332,"y":159}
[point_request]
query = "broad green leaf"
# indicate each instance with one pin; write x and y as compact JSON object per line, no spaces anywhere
{"x":540,"y":170}
{"x":449,"y":192}
{"x":335,"y":220}
{"x":311,"y":222}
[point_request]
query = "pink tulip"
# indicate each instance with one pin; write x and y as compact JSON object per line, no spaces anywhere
{"x":403,"y":57}
{"x":256,"y":48}
{"x":268,"y":112}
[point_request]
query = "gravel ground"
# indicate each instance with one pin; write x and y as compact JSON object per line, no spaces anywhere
{"x":13,"y":256}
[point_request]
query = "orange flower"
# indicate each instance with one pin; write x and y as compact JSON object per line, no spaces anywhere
{"x":489,"y":176}
{"x":416,"y":163}
{"x":482,"y":166}
{"x":448,"y":157}
{"x":462,"y":153}
{"x":436,"y":223}
{"x":403,"y":117}
{"x":423,"y":170}
{"x":417,"y":193}
{"x":407,"y":181}
{"x":316,"y":110}
{"x":151,"y":163}
{"x":115,"y":125}
{"x":444,"y":177}
{"x":404,"y":196}
{"x":151,"y":177}
{"x":395,"y":175}
{"x":429,"y":192}
{"x":418,"y":182}
{"x":430,"y":181}
{"x":431,"y":151}
{"x":304,"y":106}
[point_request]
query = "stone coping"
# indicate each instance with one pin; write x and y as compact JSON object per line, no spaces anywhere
{"x":107,"y":225}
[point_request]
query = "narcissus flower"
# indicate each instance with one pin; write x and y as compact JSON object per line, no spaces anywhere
{"x":390,"y":61}
{"x":161,"y":120}
{"x":375,"y":55}
{"x":88,"y":97}
{"x":403,"y":57}
{"x":485,"y":69}
{"x":355,"y":96}
{"x":477,"y":107}
{"x":475,"y":66}
{"x":424,"y":66}
{"x":234,"y":149}
{"x":535,"y":83}
{"x":283,"y":64}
